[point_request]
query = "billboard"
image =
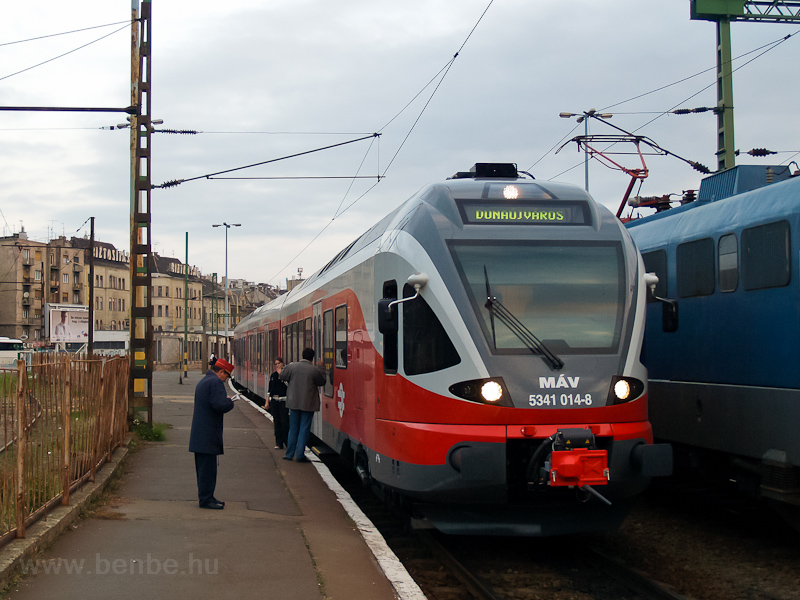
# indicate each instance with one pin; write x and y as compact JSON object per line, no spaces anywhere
{"x":68,"y":322}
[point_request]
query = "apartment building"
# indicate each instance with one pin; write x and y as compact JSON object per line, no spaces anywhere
{"x":33,"y":274}
{"x":111,"y":285}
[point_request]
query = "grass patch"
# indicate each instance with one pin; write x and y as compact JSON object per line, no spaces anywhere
{"x":150,"y":432}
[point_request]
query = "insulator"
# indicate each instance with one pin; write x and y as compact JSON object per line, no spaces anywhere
{"x":177,"y":131}
{"x":169,"y":184}
{"x":760,"y":152}
{"x":689,"y":196}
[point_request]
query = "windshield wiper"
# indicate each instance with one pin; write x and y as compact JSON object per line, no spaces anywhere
{"x":517,"y":327}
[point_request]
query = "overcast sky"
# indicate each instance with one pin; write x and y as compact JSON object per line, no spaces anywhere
{"x":264,"y":79}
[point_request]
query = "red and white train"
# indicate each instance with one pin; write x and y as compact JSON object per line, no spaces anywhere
{"x":481,"y":345}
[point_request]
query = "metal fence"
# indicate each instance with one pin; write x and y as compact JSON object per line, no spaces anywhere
{"x":59,"y":422}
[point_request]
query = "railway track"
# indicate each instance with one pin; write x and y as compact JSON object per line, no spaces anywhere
{"x":494,"y":568}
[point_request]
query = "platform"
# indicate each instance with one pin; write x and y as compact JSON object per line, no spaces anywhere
{"x":283,"y":533}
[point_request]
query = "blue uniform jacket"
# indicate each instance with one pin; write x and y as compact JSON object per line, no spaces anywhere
{"x":211,"y":402}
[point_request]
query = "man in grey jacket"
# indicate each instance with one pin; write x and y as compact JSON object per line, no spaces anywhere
{"x":302,"y":399}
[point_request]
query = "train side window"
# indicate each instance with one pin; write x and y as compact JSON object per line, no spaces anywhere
{"x":295,"y":353}
{"x":341,"y":337}
{"x":307,"y":339}
{"x":286,"y":356}
{"x":301,"y":336}
{"x":695,"y":268}
{"x":766,"y":256}
{"x":327,"y":351}
{"x":656,"y":262}
{"x":728,"y":263}
{"x":390,"y":337}
{"x":426,"y":345}
{"x":274,"y":352}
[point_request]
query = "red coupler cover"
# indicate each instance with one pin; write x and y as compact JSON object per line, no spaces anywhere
{"x":579,"y":467}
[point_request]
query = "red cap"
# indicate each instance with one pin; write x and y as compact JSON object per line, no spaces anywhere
{"x":224,"y":365}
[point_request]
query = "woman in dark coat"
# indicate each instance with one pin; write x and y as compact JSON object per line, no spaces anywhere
{"x":277,"y":405}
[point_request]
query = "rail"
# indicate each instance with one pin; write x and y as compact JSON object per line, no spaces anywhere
{"x":60,"y":421}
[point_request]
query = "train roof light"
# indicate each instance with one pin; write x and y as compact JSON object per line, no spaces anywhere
{"x":511,"y":192}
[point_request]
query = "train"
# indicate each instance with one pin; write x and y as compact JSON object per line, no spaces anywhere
{"x":481,"y":350}
{"x":721,"y":347}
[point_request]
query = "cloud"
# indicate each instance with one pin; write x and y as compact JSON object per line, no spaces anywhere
{"x":316,"y":66}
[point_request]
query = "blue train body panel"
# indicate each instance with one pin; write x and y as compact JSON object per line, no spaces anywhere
{"x":727,"y":379}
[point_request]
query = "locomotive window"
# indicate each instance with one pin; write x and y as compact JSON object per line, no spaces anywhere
{"x":426,"y":345}
{"x":656,"y":262}
{"x":695,"y":268}
{"x":327,"y":351}
{"x":766,"y":261}
{"x":570,"y":295}
{"x":728,"y":263}
{"x":341,"y":337}
{"x":390,"y":338}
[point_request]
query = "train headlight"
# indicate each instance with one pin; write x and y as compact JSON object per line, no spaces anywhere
{"x":491,"y":391}
{"x":483,"y":391}
{"x":624,"y":389}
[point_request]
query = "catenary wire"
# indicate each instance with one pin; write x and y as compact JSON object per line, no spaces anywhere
{"x":770,"y":46}
{"x":42,"y":37}
{"x":64,"y":54}
{"x":443,"y":72}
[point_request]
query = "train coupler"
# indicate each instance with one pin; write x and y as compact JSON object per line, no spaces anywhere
{"x":576,"y":461}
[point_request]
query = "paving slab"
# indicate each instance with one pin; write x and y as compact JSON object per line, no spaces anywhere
{"x":282,"y":534}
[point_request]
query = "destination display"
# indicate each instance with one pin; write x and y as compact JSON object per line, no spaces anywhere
{"x":524,"y":213}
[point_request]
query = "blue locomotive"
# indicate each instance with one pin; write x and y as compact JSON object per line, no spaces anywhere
{"x":722,"y":348}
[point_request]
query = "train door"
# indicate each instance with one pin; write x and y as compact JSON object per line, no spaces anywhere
{"x":328,"y":351}
{"x":246,"y":360}
{"x":260,"y":366}
{"x":317,"y":330}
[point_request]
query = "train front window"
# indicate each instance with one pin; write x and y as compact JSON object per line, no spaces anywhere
{"x":570,"y":296}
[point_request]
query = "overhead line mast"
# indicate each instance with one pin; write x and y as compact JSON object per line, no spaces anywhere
{"x":140,"y":383}
{"x":723,"y":12}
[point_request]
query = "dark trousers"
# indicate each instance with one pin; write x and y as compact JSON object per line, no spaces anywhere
{"x":206,"y":467}
{"x":280,"y":416}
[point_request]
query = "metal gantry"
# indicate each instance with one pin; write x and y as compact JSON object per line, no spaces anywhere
{"x":140,"y":386}
{"x":723,"y":12}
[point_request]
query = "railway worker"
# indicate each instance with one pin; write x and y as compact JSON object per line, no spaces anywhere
{"x":302,"y":400}
{"x":211,"y":402}
{"x":276,"y":392}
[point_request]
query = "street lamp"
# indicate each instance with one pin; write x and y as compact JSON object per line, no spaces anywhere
{"x":227,"y":311}
{"x":584,"y":118}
